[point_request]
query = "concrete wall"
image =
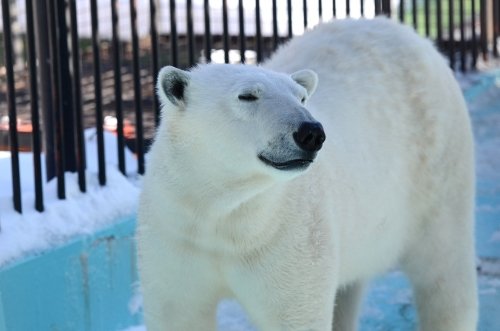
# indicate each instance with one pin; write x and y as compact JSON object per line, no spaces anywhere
{"x":84,"y":285}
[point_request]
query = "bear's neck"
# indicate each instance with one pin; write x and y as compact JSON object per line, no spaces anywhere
{"x":223,"y":197}
{"x":224,"y":218}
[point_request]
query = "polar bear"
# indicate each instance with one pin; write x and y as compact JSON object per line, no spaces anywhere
{"x":289,"y":185}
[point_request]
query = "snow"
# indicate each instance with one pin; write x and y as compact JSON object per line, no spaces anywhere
{"x":495,"y":237}
{"x":80,"y":213}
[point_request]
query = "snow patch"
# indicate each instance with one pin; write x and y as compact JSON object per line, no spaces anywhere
{"x":495,"y":237}
{"x":80,"y":213}
{"x":135,"y":303}
{"x":135,"y":328}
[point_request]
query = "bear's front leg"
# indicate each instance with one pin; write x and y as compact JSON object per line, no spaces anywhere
{"x":285,"y":294}
{"x":180,"y":291}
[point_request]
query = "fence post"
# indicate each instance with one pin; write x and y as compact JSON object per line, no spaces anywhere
{"x":66,"y":93}
{"x":11,"y":104}
{"x":46,"y":102}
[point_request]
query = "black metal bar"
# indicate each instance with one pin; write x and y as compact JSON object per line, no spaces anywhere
{"x":474,"y":37}
{"x":45,"y":74}
{"x":98,"y":93}
{"x":362,"y":7}
{"x":378,"y":6}
{"x":11,"y":102}
{"x":208,"y":36}
{"x":190,"y":34}
{"x":173,"y":35}
{"x":439,"y":23}
{"x":66,"y":94}
{"x":320,"y":10}
{"x":484,"y":30}
{"x":241,"y":18}
{"x":56,"y":99}
{"x":35,"y":120}
{"x":155,"y":67}
{"x":304,"y":11}
{"x":258,"y":31}
{"x":427,"y":17}
{"x":77,"y":99}
{"x":414,"y":8}
{"x":275,"y":25}
{"x":462,"y":35}
{"x":334,"y":8}
{"x":225,"y":31}
{"x":387,"y":8}
{"x":117,"y":65}
{"x":347,"y":8}
{"x":496,"y":19}
{"x":451,"y":32}
{"x":289,"y":13}
{"x":139,"y":138}
{"x":402,"y":10}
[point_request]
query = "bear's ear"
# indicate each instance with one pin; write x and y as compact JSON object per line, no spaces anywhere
{"x":171,"y":85}
{"x":306,"y":78}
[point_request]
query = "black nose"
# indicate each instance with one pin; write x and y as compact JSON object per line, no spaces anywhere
{"x":310,"y":136}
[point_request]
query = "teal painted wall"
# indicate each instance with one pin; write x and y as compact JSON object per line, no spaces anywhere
{"x":82,"y":286}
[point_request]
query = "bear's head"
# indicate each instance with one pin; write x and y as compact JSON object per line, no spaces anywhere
{"x":238,"y":120}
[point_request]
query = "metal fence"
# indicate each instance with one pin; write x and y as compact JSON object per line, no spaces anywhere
{"x":69,"y":63}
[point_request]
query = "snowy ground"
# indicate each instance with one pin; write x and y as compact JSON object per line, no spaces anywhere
{"x":388,"y":305}
{"x":81,"y":213}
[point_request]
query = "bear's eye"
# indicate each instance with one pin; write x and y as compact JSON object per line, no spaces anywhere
{"x":247,"y":97}
{"x":303,"y":100}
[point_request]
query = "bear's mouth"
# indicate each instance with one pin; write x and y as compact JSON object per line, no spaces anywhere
{"x":295,"y":164}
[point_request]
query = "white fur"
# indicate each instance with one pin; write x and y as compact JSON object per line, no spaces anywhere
{"x":393,"y":185}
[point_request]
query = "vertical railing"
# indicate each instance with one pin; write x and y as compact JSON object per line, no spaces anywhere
{"x":208,"y":35}
{"x":289,"y":15}
{"x":439,"y":23}
{"x":484,"y":36}
{"x":414,"y":16}
{"x":56,"y":113}
{"x":35,"y":121}
{"x":258,"y":32}
{"x":117,"y":76}
{"x":275,"y":25}
{"x":401,"y":11}
{"x":139,"y":137}
{"x":451,"y":33}
{"x":496,"y":26}
{"x":225,"y":31}
{"x":190,"y":33}
{"x":155,"y":67}
{"x":11,"y":104}
{"x":461,"y":11}
{"x":474,"y":37}
{"x":242,"y":37}
{"x":378,"y":6}
{"x":77,"y":98}
{"x":173,"y":35}
{"x":101,"y":161}
{"x":427,"y":12}
{"x":304,"y":12}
